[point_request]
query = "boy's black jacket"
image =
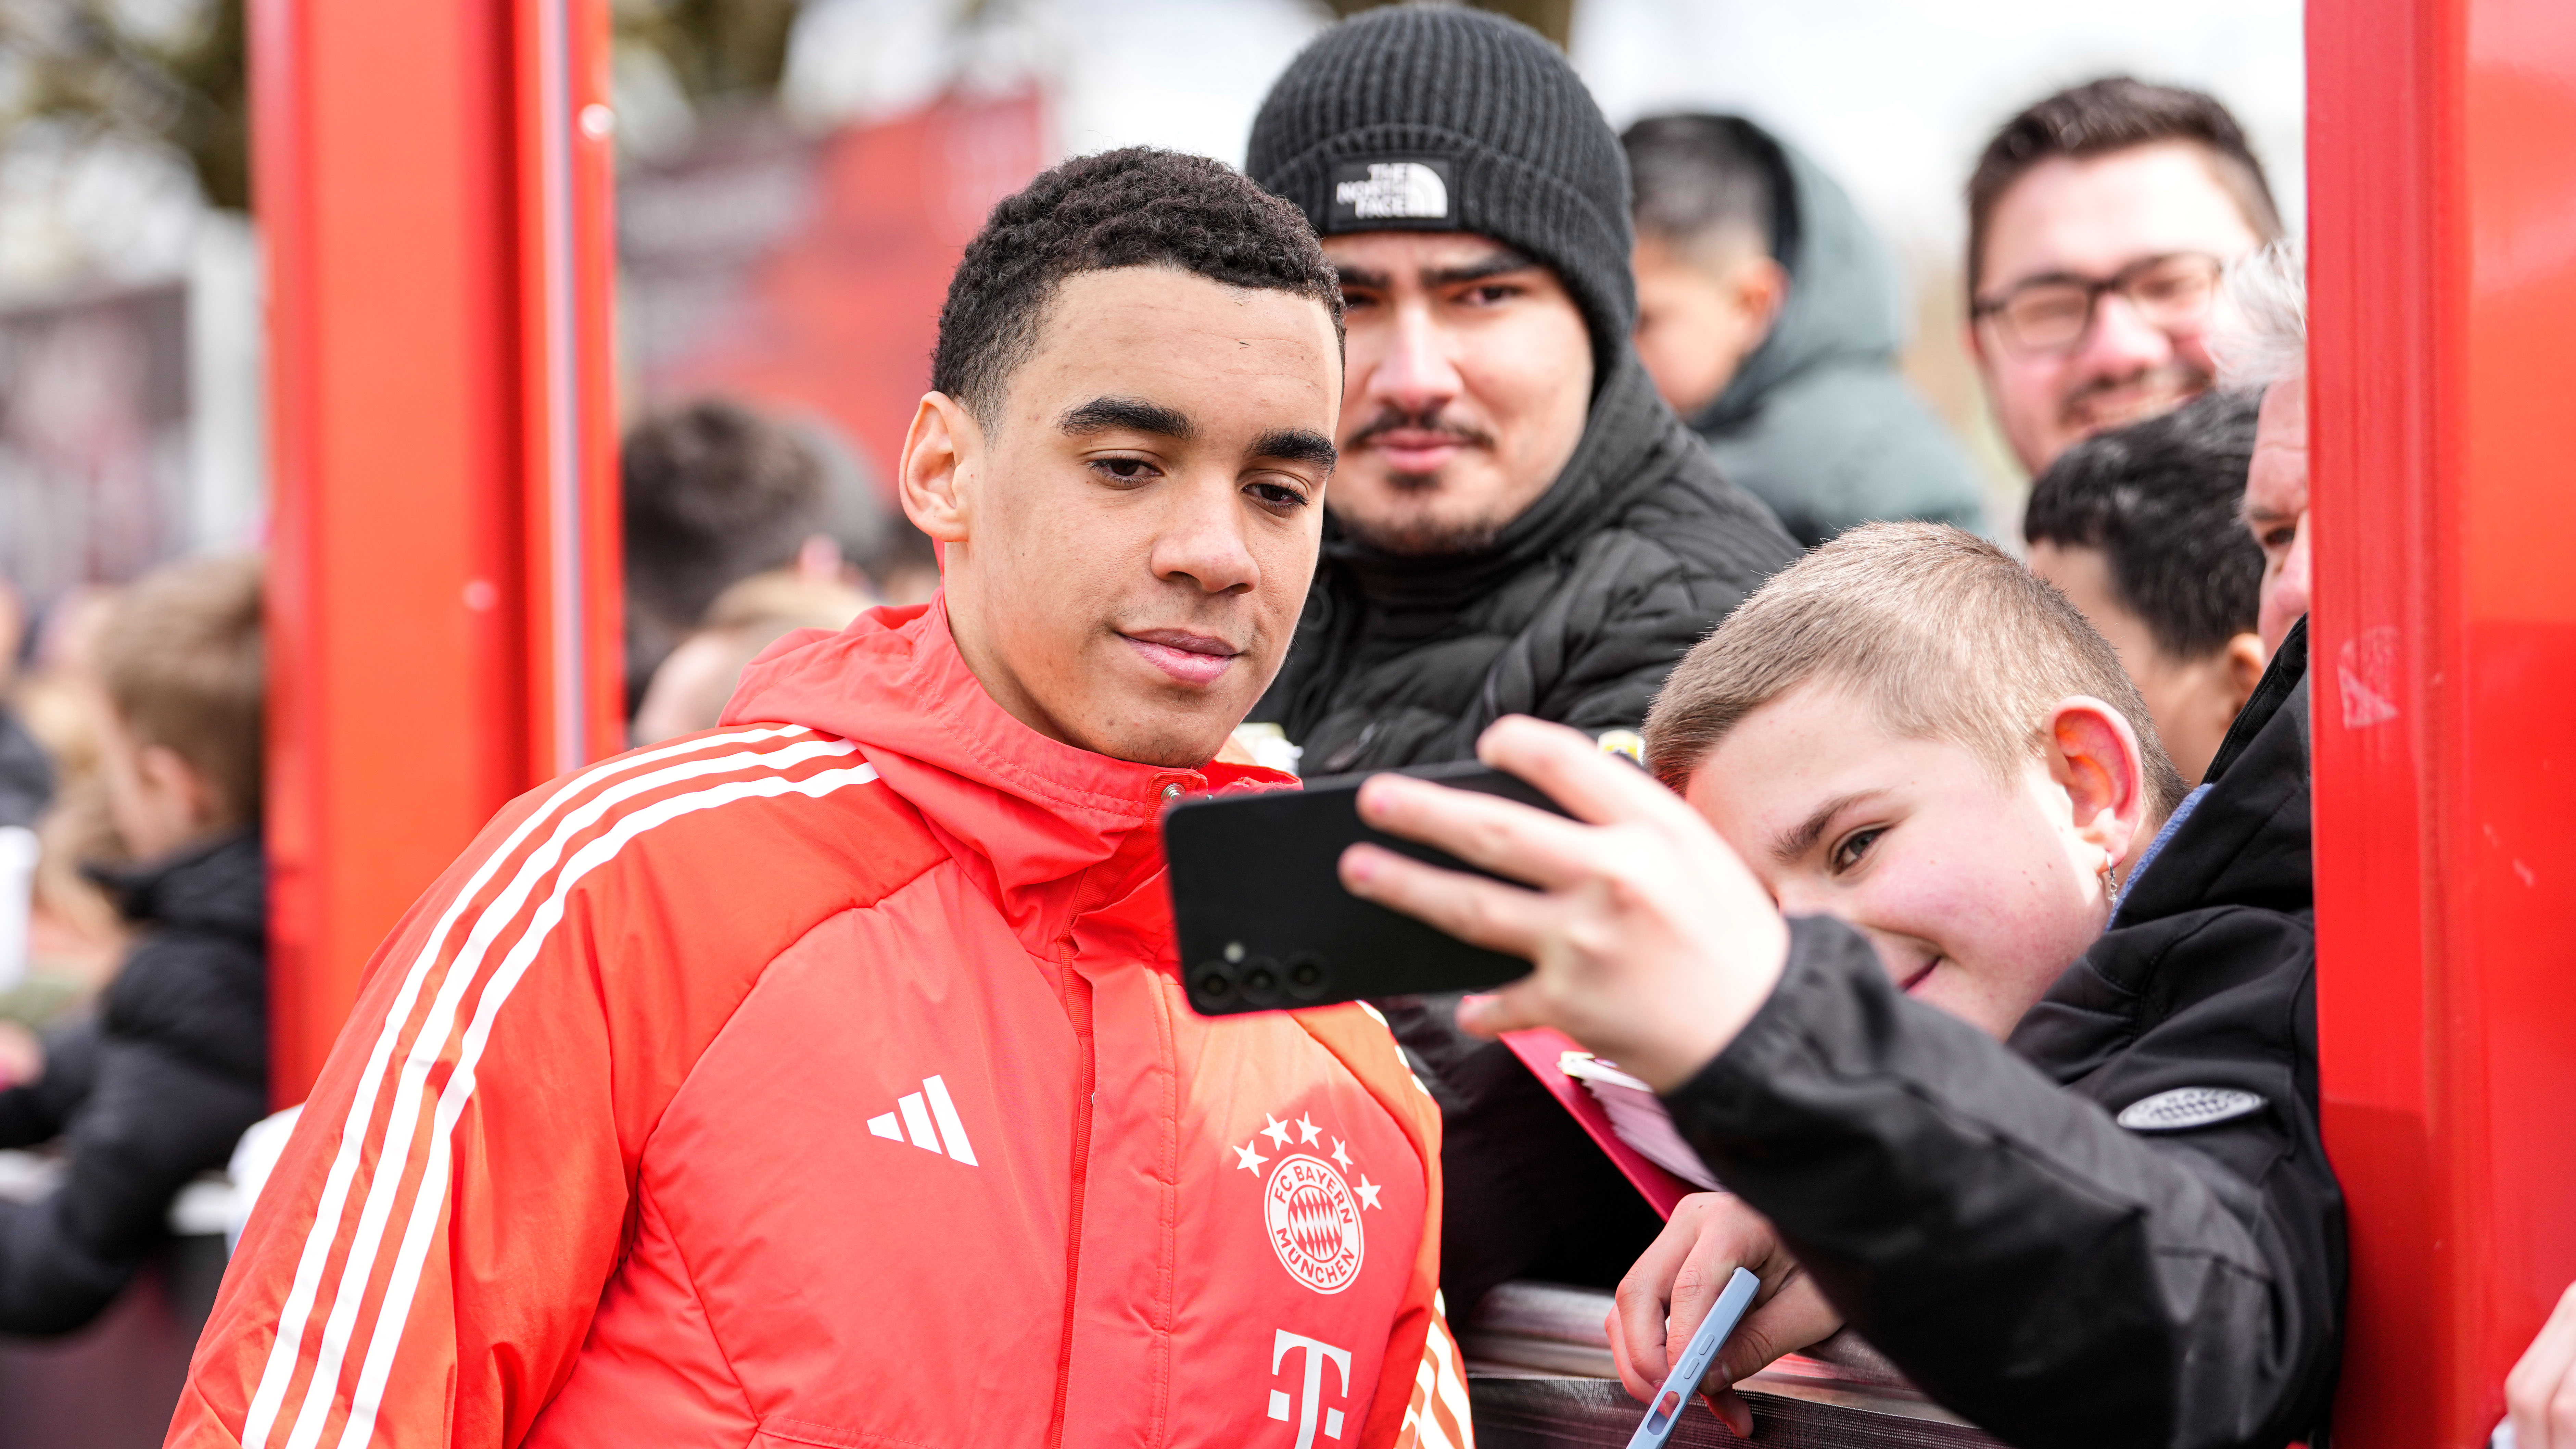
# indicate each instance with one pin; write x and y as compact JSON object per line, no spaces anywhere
{"x":2057,"y":1278}
{"x":153,"y":1091}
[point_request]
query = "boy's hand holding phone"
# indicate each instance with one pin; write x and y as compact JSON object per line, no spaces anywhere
{"x":1653,"y":944}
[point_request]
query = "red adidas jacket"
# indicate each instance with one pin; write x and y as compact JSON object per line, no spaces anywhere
{"x":822,"y":1080}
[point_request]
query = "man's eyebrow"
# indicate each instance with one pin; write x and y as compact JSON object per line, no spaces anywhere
{"x":1793,"y":845}
{"x":1362,"y":277}
{"x":1498,"y":262}
{"x":1127,"y":414}
{"x":1297,"y":445}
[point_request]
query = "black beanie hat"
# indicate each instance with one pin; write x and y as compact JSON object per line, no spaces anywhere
{"x":1431,"y":118}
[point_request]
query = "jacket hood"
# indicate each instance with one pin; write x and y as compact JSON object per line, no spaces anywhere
{"x":1055,"y":834}
{"x":1630,"y":443}
{"x":219,"y":885}
{"x":1844,"y":303}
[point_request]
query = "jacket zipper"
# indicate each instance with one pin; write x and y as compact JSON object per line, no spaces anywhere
{"x":1077,"y":1008}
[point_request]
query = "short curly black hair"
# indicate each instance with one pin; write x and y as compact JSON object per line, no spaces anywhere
{"x":1137,"y":207}
{"x":2159,"y":498}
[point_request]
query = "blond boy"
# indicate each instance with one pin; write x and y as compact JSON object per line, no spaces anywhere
{"x":1932,"y":786}
{"x":159,"y":1084}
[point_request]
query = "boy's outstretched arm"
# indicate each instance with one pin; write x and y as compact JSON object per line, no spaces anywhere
{"x":2046,"y":1272}
{"x":2052,"y":1275}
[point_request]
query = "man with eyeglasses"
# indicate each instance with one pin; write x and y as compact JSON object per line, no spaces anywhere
{"x":2099,"y":220}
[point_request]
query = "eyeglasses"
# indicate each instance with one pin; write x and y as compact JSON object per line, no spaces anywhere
{"x":2172,"y":293}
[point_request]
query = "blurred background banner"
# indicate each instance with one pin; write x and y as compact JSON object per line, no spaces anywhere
{"x":805,"y":274}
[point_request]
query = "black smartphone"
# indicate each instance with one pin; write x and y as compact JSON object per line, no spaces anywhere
{"x":1264,"y":922}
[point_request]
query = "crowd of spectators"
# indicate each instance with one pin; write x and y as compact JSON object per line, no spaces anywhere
{"x":1623,"y":447}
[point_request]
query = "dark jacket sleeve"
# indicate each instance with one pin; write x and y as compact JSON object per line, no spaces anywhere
{"x":2045,"y":1272}
{"x":38,"y":1111}
{"x":168,"y":1101}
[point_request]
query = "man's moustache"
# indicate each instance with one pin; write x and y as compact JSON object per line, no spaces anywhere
{"x":1393,"y":419}
{"x":2173,"y":377}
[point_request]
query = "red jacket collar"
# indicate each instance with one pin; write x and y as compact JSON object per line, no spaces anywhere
{"x":1050,"y":831}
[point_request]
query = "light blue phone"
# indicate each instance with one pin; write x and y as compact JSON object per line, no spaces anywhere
{"x":1678,"y":1388}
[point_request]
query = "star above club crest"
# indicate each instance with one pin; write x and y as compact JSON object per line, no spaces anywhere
{"x":1249,"y":1160}
{"x":1340,"y":1156}
{"x":1277,"y":1131}
{"x":1306,"y":1131}
{"x":1369,"y":1191}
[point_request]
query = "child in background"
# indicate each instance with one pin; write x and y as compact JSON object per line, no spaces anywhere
{"x":2140,"y":528}
{"x":2116,"y":1227}
{"x":161,"y":1083}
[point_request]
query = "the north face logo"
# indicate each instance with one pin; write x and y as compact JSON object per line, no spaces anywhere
{"x":928,"y":1119}
{"x":1392,"y":191}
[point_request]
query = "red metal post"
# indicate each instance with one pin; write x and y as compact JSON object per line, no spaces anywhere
{"x":2442,"y":177}
{"x":443,"y":623}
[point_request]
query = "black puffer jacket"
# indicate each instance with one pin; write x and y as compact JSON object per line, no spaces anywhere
{"x":1575,"y":613}
{"x":2138,"y":1243}
{"x":155,"y":1090}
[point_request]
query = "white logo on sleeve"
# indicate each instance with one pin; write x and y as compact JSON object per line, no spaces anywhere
{"x":2184,"y":1108}
{"x":1308,"y":1402}
{"x":1394,"y":189}
{"x":928,"y":1119}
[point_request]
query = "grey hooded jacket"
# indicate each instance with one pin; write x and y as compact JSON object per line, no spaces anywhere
{"x":1818,"y":423}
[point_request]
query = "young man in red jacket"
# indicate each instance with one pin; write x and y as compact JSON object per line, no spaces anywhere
{"x":822,"y":1079}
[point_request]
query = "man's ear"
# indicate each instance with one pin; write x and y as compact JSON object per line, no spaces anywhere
{"x":1974,"y":341}
{"x":943,"y":454}
{"x":2244,"y":660}
{"x":2094,"y":756}
{"x":168,"y":774}
{"x":1761,"y":287}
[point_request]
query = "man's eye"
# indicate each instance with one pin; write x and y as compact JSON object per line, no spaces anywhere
{"x":2276,"y":539}
{"x":1855,"y":845}
{"x":1279,"y":496}
{"x":1357,"y":299}
{"x":1125,"y":470}
{"x":1492,"y":292}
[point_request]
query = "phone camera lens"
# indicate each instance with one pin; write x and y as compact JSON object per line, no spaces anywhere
{"x":1306,"y":976}
{"x":1215,"y":985}
{"x":1259,"y":978}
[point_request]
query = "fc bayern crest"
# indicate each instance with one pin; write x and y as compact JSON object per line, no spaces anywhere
{"x":1314,"y":1223}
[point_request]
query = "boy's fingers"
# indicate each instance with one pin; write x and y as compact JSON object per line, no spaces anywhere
{"x":1631,"y":1377}
{"x":1503,"y":836}
{"x":1516,"y":1007}
{"x":1475,"y":910}
{"x":1575,"y":772}
{"x":1731,"y":1410}
{"x":1642,"y":1297}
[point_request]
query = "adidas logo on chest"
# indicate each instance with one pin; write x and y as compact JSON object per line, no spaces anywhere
{"x":928,"y":1120}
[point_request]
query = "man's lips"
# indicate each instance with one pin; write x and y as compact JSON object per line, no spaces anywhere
{"x":1187,"y":657}
{"x":1918,"y":978}
{"x":1416,"y":450}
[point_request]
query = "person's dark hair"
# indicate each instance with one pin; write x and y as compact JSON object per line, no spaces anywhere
{"x":1701,"y":177}
{"x":2159,"y":499}
{"x":713,"y":493}
{"x":2115,"y":113}
{"x":1138,"y":207}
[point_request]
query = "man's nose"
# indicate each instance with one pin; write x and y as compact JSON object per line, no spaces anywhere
{"x":1202,"y":538}
{"x":2288,"y":594}
{"x":1417,"y":371}
{"x":2121,"y":342}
